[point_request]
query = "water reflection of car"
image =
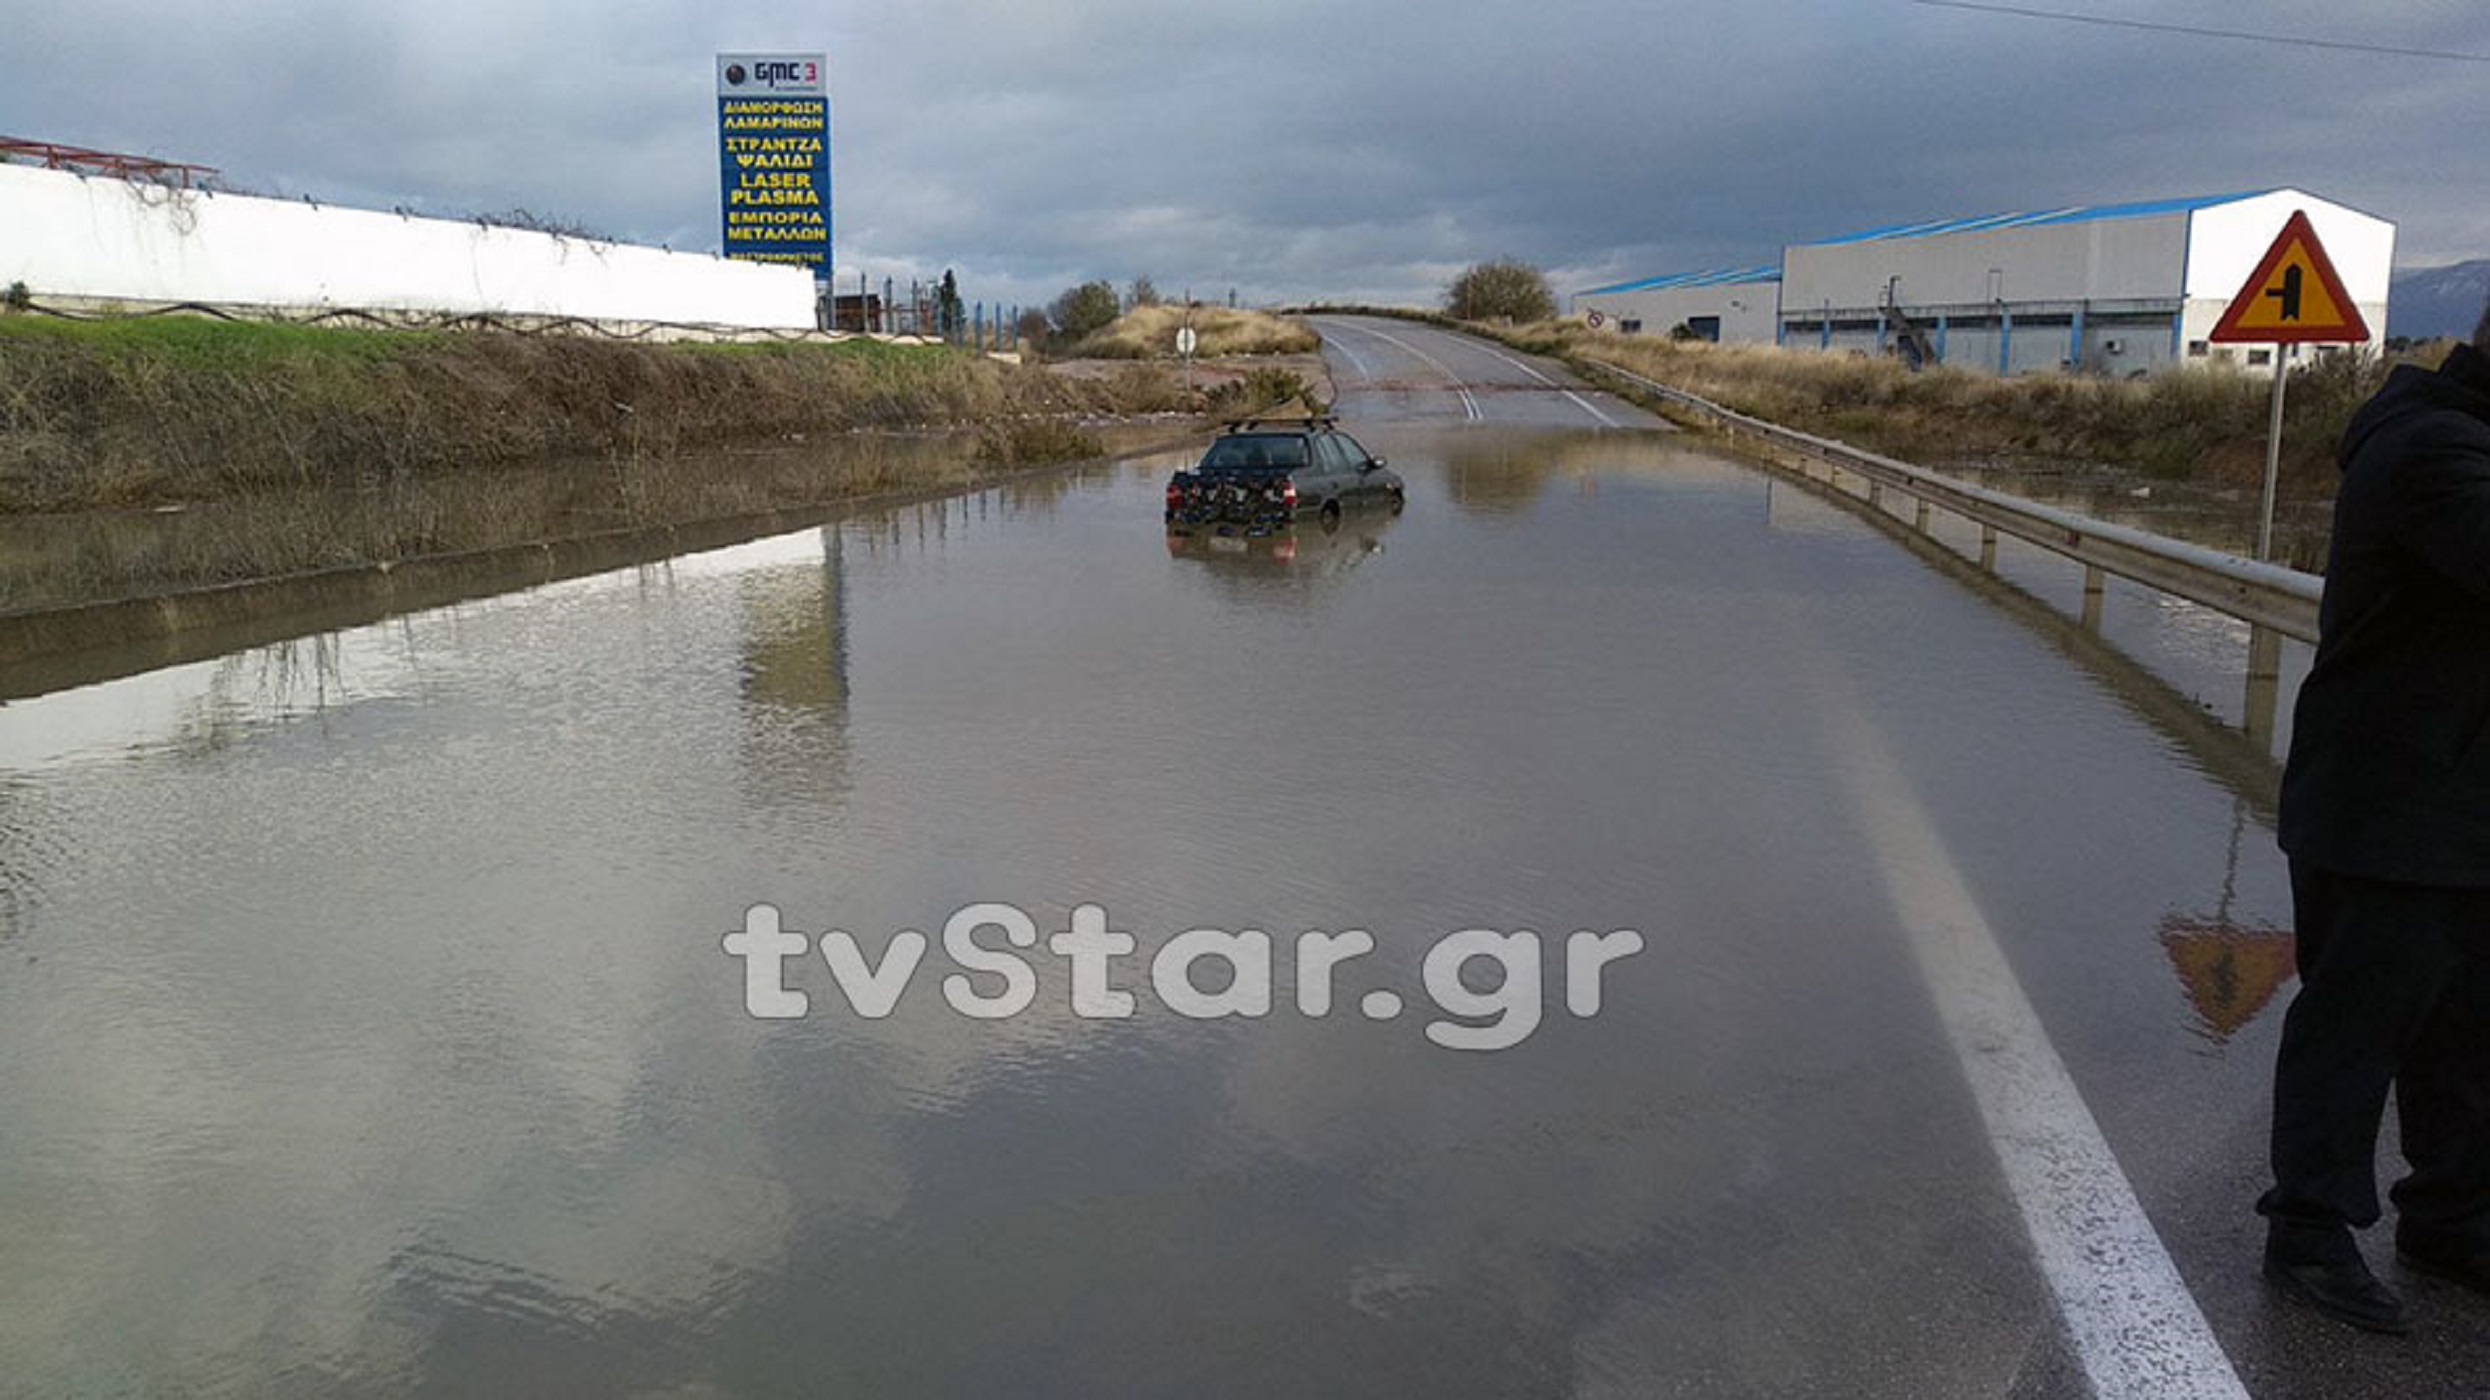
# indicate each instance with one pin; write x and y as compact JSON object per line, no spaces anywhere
{"x":1262,"y":474}
{"x":1318,"y":549}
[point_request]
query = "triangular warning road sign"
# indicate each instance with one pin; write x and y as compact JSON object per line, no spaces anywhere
{"x":2293,"y":298}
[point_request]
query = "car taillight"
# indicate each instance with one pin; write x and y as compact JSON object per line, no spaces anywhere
{"x":1288,"y":495}
{"x":1175,"y":495}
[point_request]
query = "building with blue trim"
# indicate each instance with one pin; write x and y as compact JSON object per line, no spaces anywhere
{"x":1738,"y":305}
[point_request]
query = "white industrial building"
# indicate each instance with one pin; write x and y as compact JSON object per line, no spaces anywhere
{"x":2106,"y":289}
{"x":2114,"y":289}
{"x":1736,"y":305}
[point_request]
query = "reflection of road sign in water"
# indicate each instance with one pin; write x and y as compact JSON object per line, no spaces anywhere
{"x":2230,"y":972}
{"x":2293,"y":298}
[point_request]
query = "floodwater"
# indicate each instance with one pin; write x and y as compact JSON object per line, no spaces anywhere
{"x":367,"y":1023}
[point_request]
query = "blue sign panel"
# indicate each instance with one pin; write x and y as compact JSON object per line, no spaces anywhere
{"x":774,"y":159}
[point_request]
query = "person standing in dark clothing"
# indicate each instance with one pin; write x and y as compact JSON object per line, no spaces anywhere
{"x":2386,"y":820}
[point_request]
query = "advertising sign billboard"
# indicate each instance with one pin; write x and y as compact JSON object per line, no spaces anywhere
{"x":774,"y":159}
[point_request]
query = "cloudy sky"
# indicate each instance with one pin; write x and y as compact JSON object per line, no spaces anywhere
{"x":1289,"y":149}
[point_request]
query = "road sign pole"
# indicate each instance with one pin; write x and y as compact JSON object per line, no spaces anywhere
{"x":2273,"y":458}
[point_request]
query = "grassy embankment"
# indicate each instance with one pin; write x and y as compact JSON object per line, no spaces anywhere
{"x":288,"y":449}
{"x":170,"y":410}
{"x":2206,"y":423}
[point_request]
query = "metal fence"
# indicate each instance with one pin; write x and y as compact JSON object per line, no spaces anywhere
{"x":2276,"y":602}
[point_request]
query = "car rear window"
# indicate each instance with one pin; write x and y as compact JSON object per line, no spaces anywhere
{"x":1256,"y":452}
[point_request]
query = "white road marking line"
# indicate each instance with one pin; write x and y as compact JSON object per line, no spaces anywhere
{"x":1578,"y":401}
{"x":1356,"y":361}
{"x":2135,"y":1327}
{"x":1469,"y":405}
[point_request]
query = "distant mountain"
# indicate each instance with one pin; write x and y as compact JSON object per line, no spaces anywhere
{"x":2422,"y":302}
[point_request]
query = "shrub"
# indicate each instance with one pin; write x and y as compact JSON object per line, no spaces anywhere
{"x":1085,"y":310}
{"x":1030,"y":442}
{"x":1503,"y":290}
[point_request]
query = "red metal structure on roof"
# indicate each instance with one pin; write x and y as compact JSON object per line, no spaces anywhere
{"x":53,"y":156}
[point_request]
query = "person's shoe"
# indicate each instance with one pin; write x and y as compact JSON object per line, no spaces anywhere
{"x":2342,"y":1289}
{"x":2465,"y":1270}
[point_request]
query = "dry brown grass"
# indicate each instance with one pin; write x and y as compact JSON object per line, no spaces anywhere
{"x":2192,"y":423}
{"x":1148,"y":332}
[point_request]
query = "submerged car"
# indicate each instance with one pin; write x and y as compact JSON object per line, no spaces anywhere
{"x":1261,"y":474}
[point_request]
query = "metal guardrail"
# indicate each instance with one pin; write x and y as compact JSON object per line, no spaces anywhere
{"x":2274,"y":601}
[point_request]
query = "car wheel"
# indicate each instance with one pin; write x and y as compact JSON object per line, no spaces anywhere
{"x":1399,"y":499}
{"x":1331,"y":511}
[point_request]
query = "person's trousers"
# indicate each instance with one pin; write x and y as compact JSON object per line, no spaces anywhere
{"x":2394,"y":990}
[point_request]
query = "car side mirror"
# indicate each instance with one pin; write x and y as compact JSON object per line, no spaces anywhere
{"x":1371,"y":464}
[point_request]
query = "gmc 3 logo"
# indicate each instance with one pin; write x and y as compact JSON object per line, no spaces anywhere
{"x":774,"y":72}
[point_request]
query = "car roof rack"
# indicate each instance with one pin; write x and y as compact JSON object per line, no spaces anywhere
{"x":1295,"y":420}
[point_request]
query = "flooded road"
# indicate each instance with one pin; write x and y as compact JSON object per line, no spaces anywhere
{"x":369,"y":1024}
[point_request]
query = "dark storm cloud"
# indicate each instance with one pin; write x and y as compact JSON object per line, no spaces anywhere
{"x":1289,"y":149}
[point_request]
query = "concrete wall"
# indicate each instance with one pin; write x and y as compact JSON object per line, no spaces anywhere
{"x":67,"y":235}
